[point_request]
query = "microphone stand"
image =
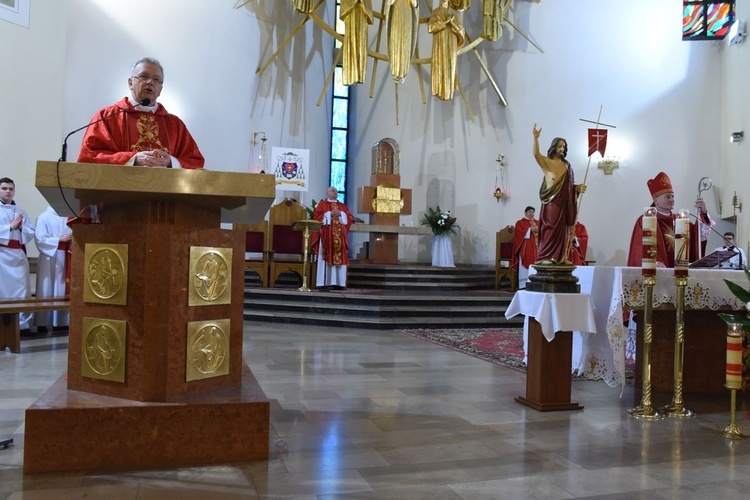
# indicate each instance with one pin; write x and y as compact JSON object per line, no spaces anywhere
{"x":64,"y":156}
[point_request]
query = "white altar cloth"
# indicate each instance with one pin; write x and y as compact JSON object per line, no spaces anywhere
{"x":555,"y":312}
{"x":442,"y":250}
{"x":705,"y":290}
{"x":612,"y":289}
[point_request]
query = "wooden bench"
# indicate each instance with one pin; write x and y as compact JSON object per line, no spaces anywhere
{"x":10,"y":332}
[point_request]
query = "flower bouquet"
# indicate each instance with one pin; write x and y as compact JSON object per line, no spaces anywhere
{"x":744,"y":320}
{"x":440,"y":222}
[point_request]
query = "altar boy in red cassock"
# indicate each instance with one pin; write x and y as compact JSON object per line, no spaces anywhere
{"x":331,"y":243}
{"x":663,"y":200}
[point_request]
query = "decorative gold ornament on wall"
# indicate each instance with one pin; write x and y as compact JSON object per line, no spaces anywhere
{"x":103,"y":349}
{"x":207,"y":349}
{"x":106,"y":273}
{"x":609,"y":163}
{"x":397,"y":26}
{"x":210,"y":276}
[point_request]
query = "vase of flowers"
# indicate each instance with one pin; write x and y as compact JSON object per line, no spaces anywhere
{"x":744,"y":320}
{"x":441,"y":222}
{"x":443,"y":225}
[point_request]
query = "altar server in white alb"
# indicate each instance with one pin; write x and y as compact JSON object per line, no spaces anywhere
{"x":15,"y":232}
{"x":52,"y":237}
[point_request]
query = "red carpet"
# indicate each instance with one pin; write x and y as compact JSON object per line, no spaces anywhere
{"x":500,"y":346}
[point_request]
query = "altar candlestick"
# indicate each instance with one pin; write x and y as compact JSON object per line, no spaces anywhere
{"x":648,"y":261}
{"x":734,"y":356}
{"x":681,"y":243}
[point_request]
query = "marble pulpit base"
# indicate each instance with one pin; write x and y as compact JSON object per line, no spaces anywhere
{"x":68,"y":430}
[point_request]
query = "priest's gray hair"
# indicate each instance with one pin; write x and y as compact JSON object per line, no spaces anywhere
{"x":148,"y":60}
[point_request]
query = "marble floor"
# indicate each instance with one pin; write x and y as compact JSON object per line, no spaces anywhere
{"x":376,"y":414}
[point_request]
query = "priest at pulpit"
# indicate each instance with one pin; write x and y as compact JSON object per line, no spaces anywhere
{"x":139,"y":131}
{"x":331,"y":243}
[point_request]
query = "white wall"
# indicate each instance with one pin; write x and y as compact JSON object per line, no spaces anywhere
{"x":664,"y":96}
{"x":33,"y":62}
{"x":736,"y":117}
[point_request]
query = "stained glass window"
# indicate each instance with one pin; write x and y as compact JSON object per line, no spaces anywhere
{"x":339,"y":124}
{"x":706,"y":19}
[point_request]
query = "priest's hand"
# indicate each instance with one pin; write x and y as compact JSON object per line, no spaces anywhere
{"x":156,"y":158}
{"x":700,"y":204}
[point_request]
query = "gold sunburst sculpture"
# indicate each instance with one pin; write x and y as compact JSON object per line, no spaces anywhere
{"x":401,"y":20}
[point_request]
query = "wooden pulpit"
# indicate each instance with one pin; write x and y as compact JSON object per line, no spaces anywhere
{"x":156,"y":376}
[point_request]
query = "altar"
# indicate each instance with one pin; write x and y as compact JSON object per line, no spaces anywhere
{"x":616,"y":290}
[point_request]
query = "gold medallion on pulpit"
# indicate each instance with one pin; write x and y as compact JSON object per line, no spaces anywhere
{"x":103,"y":349}
{"x":210,"y":277}
{"x":387,"y":200}
{"x":106,"y":273}
{"x":207,"y":349}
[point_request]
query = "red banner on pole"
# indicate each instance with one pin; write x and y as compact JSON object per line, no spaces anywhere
{"x":597,"y":140}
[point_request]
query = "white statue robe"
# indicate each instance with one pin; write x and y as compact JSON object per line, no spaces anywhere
{"x":50,"y":273}
{"x":14,"y":266}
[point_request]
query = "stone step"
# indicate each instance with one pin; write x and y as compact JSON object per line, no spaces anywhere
{"x":387,"y":297}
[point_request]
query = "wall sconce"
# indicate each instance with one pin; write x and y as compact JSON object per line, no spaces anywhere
{"x":736,"y":205}
{"x":737,"y":137}
{"x":609,"y":163}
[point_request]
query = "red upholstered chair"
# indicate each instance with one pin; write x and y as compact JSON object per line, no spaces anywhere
{"x":503,"y":258}
{"x":256,"y":249}
{"x":285,"y":244}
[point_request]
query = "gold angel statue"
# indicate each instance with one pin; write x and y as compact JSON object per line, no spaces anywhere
{"x":493,"y":12}
{"x":447,"y":36}
{"x":356,"y":16}
{"x":303,"y":6}
{"x":403,"y":26}
{"x":460,"y":5}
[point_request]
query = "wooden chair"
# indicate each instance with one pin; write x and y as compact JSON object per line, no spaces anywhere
{"x":504,"y":257}
{"x":285,"y":244}
{"x":256,"y":245}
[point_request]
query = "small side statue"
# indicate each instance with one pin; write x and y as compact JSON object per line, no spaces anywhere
{"x":493,"y":12}
{"x":558,"y":195}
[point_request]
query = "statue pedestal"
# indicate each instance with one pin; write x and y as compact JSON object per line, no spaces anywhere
{"x":553,"y":278}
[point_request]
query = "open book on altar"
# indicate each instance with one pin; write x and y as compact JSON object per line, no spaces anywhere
{"x":713,"y":259}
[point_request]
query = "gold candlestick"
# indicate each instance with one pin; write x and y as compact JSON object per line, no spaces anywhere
{"x":676,"y":408}
{"x":646,"y":411}
{"x":734,"y":376}
{"x":306,"y":226}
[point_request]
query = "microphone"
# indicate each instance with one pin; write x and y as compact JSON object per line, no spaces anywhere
{"x":63,"y":157}
{"x":710,"y":227}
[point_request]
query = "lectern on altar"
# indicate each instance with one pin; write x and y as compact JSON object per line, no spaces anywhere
{"x":155,"y":370}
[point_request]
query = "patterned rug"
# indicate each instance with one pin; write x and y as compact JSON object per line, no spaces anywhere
{"x":500,"y":346}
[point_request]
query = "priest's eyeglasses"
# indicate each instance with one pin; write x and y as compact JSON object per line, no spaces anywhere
{"x":149,"y":78}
